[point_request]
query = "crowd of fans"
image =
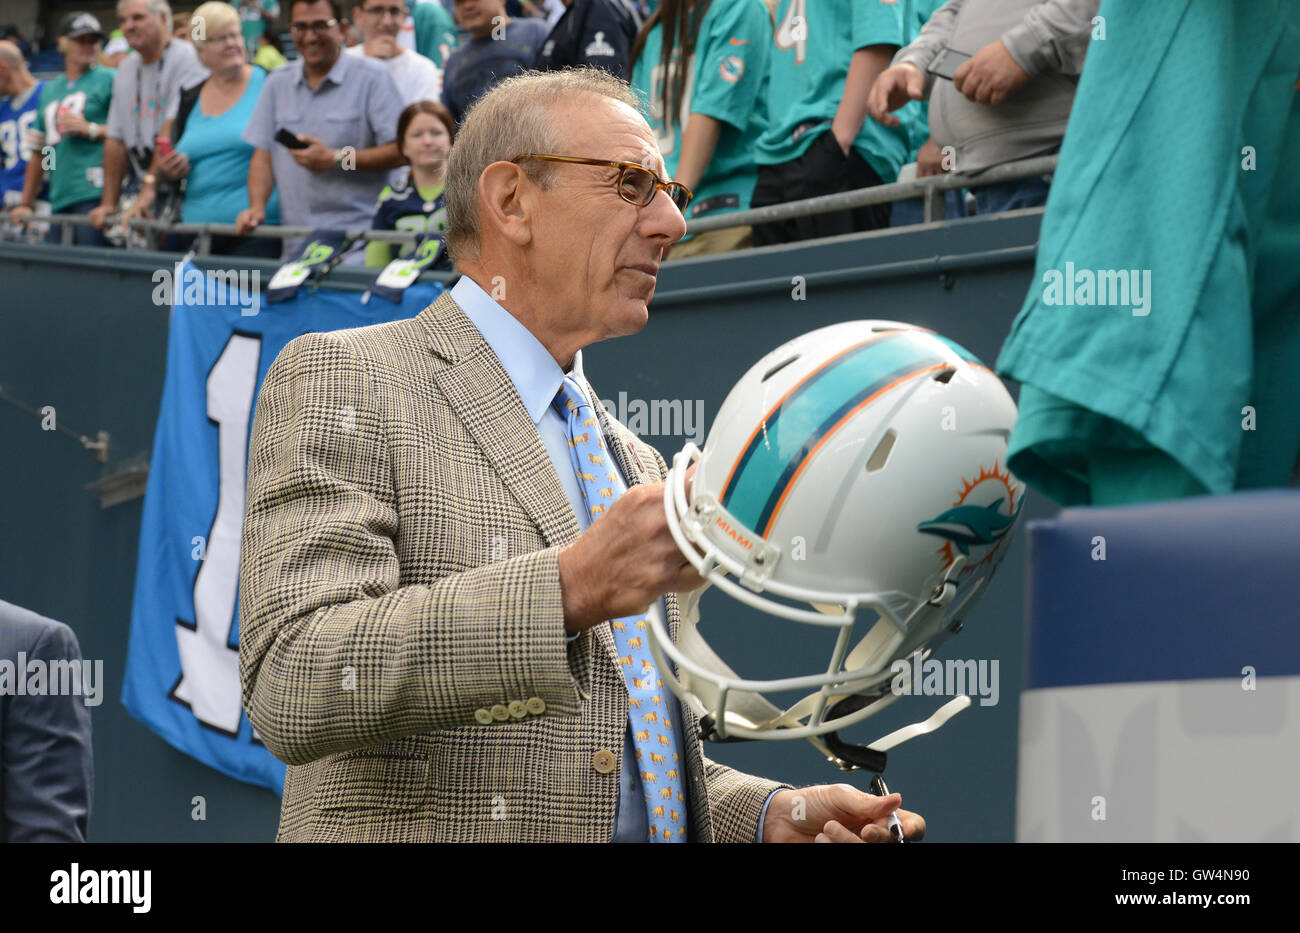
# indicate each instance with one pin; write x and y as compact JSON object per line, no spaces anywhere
{"x":212,"y":116}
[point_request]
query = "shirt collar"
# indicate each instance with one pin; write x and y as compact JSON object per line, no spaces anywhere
{"x":336,"y":74}
{"x":530,"y":366}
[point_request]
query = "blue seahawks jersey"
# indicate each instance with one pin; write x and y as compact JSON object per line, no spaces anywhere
{"x":182,"y":667}
{"x":16,"y":118}
{"x":404,"y":209}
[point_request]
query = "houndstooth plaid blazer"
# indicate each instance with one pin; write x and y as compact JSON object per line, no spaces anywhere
{"x":399,"y":586}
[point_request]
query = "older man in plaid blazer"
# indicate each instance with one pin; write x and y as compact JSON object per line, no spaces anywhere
{"x":424,"y":632}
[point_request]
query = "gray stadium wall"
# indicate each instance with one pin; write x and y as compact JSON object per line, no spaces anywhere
{"x":78,"y":331}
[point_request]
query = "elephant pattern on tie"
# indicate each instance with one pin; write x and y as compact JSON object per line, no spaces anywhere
{"x":655,"y":742}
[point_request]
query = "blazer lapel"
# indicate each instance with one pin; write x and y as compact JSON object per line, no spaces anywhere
{"x":483,"y":397}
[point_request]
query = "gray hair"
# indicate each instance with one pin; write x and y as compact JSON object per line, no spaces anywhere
{"x":157,"y":8}
{"x":515,"y":117}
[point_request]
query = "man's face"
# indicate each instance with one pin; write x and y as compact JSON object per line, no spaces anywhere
{"x":6,"y":80}
{"x":317,"y":46}
{"x":144,"y":31}
{"x":595,"y":252}
{"x":477,"y":15}
{"x":82,"y":50}
{"x":381,"y":18}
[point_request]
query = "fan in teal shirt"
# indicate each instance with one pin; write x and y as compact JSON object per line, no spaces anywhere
{"x":726,"y":80}
{"x":815,"y":43}
{"x":435,"y":33}
{"x":1186,"y":381}
{"x":216,"y":188}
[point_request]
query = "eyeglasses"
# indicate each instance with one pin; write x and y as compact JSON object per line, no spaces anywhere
{"x":227,"y":38}
{"x":378,"y":12}
{"x":320,"y":27}
{"x":636,"y":184}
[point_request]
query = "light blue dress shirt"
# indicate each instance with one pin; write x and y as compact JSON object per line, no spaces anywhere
{"x":537,"y":378}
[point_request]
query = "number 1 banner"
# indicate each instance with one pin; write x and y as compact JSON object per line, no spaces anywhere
{"x":182,"y":666}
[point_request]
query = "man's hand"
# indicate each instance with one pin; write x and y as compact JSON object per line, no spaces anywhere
{"x":249,"y":218}
{"x":71,"y":124}
{"x":317,"y":157}
{"x":625,"y":561}
{"x":20,"y":213}
{"x":99,"y":216}
{"x":893,"y":88}
{"x":929,"y":160}
{"x":143,"y":206}
{"x":836,"y":813}
{"x":990,"y":76}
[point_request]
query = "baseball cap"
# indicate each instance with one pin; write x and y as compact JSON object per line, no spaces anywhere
{"x":82,"y":24}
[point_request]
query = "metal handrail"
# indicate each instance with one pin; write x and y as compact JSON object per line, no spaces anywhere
{"x":931,"y":189}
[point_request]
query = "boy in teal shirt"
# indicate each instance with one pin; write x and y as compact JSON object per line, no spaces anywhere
{"x":435,"y":33}
{"x":818,"y":141}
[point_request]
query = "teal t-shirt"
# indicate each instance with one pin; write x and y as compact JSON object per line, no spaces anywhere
{"x":726,"y":80}
{"x":252,"y":20}
{"x":814,"y":46}
{"x":77,"y":172}
{"x":216,"y":189}
{"x":435,"y":33}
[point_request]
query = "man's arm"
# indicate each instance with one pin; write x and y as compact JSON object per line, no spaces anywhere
{"x":932,"y":40}
{"x":1053,"y":37}
{"x":114,"y":157}
{"x":48,"y":767}
{"x":114,"y":172}
{"x":334,"y":652}
{"x":866,"y":65}
{"x":261,"y":182}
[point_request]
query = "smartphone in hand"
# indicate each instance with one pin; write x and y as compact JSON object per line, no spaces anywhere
{"x":289,"y":140}
{"x":947,"y":62}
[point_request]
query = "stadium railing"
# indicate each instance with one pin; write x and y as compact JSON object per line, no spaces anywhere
{"x":930,"y":189}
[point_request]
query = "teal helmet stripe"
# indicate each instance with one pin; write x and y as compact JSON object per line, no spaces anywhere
{"x":810,"y":411}
{"x":965,"y":354}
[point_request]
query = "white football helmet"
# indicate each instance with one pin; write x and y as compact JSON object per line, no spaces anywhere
{"x":858,"y":467}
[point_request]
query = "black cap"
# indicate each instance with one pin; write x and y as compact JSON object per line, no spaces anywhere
{"x":82,"y":24}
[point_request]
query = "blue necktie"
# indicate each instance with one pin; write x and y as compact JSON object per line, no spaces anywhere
{"x":658,"y":757}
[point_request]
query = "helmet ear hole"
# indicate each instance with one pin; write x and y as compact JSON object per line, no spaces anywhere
{"x":880,"y":455}
{"x":945,"y":375}
{"x":778,"y":367}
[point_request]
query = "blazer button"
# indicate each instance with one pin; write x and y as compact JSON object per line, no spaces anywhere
{"x":500,"y":713}
{"x":603,"y":761}
{"x":517,"y":709}
{"x":483,"y":717}
{"x":535,"y":705}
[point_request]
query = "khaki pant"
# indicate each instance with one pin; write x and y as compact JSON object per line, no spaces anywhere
{"x":714,"y":241}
